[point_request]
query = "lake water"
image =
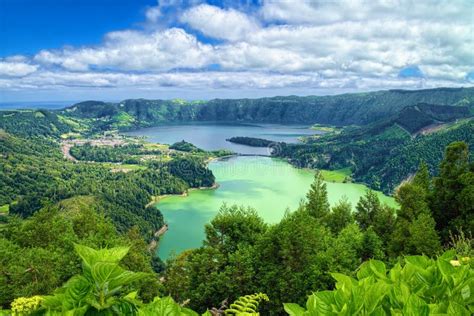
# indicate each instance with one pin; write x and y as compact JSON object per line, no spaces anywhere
{"x":212,"y":136}
{"x":269,"y":185}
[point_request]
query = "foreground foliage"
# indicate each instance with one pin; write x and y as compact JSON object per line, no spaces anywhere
{"x":420,"y":286}
{"x":416,"y":286}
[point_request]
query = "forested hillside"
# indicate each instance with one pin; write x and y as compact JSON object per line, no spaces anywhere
{"x":48,"y":202}
{"x":288,"y":265}
{"x":78,"y":229}
{"x":378,"y":126}
{"x":28,"y":123}
{"x":345,"y":109}
{"x":381,"y":154}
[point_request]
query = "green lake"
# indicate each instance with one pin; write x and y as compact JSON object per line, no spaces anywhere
{"x":269,"y":185}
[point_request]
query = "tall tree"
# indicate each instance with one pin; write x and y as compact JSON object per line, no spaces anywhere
{"x":372,"y":246}
{"x":423,"y":237}
{"x":415,"y":231}
{"x":233,"y":226}
{"x":453,"y":193}
{"x":366,"y":209}
{"x":340,"y":216}
{"x":422,"y":177}
{"x":412,"y":200}
{"x":317,"y":198}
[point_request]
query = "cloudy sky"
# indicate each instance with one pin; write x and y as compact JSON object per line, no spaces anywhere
{"x":114,"y":49}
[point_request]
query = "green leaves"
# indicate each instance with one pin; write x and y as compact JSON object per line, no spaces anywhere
{"x":110,"y":274}
{"x":421,"y":286}
{"x":99,"y":288}
{"x":246,"y":305}
{"x":90,"y":256}
{"x":294,"y":309}
{"x":165,"y":306}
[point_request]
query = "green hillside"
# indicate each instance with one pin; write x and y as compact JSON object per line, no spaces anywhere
{"x":345,"y":109}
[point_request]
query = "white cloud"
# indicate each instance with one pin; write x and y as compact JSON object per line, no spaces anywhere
{"x":312,"y":45}
{"x":14,"y":68}
{"x":215,"y":22}
{"x":135,"y":51}
{"x":153,"y":14}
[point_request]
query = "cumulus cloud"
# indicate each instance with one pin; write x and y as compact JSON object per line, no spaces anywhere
{"x":215,"y":22}
{"x":15,"y":67}
{"x":322,"y":45}
{"x":153,"y":14}
{"x":134,"y":51}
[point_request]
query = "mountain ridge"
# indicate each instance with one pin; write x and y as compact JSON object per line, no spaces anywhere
{"x":339,"y":110}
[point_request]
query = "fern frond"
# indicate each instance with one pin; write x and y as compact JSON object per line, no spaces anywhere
{"x":246,"y":305}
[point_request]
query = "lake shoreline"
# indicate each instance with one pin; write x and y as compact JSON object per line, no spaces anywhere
{"x":270,"y":186}
{"x":156,"y":199}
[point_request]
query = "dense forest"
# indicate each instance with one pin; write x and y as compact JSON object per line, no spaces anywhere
{"x":129,"y":153}
{"x":296,"y":260}
{"x":382,"y":154}
{"x":377,"y":126}
{"x":78,"y":233}
{"x":345,"y":109}
{"x":250,"y":141}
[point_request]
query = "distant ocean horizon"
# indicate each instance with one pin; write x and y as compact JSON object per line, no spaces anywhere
{"x":49,"y":105}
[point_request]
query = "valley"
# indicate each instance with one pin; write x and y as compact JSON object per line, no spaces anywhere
{"x":235,"y":187}
{"x":236,"y":158}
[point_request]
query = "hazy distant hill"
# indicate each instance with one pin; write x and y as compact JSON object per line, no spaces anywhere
{"x":344,"y":109}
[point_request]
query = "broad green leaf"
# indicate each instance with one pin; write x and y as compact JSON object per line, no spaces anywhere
{"x":364,"y":271}
{"x":448,"y":255}
{"x":466,"y":292}
{"x":324,"y":302}
{"x":456,"y":309}
{"x":416,"y":307}
{"x":395,"y":273}
{"x":446,"y":268}
{"x":91,"y":256}
{"x":311,"y":303}
{"x":293,"y":309}
{"x":161,"y":307}
{"x":114,"y":275}
{"x":374,"y":296}
{"x":378,"y":267}
{"x":378,"y":312}
{"x":344,"y":283}
{"x":77,"y":289}
{"x":103,"y":272}
{"x":419,"y":262}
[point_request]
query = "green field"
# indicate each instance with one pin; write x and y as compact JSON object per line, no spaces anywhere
{"x":125,"y":167}
{"x":325,"y":128}
{"x":338,"y":175}
{"x":4,"y":208}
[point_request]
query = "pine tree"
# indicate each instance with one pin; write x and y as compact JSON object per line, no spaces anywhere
{"x":415,"y":231}
{"x":412,"y":200}
{"x":317,"y":198}
{"x":340,"y":216}
{"x":453,"y":192}
{"x":372,"y":246}
{"x":366,"y":209}
{"x":422,"y":178}
{"x":423,"y":236}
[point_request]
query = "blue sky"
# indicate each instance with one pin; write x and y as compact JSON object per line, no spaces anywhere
{"x":114,"y":49}
{"x":28,"y":26}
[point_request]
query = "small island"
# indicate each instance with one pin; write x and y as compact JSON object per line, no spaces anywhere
{"x":251,"y":141}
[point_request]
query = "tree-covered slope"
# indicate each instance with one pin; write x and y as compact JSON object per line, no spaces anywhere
{"x":345,"y":109}
{"x":33,"y":123}
{"x":33,"y":171}
{"x":403,"y":161}
{"x":381,"y":154}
